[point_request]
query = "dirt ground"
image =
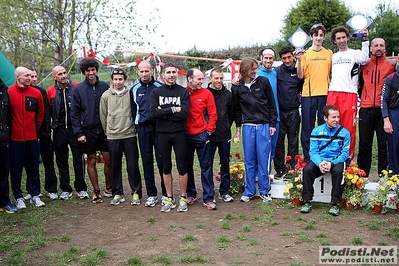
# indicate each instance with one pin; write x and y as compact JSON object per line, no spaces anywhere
{"x":278,"y":234}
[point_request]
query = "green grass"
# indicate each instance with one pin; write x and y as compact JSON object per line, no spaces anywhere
{"x":162,"y":259}
{"x":223,"y":239}
{"x":188,"y":238}
{"x":393,"y":232}
{"x":135,"y":261}
{"x":95,"y":257}
{"x":309,"y":225}
{"x":64,"y":258}
{"x":192,"y":259}
{"x":357,"y":241}
{"x":188,"y":247}
{"x":226,"y":225}
{"x":200,"y":226}
{"x":242,"y":237}
{"x":374,"y":224}
{"x":245,"y":228}
{"x":324,"y":242}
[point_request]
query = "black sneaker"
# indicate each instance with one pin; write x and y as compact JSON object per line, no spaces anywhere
{"x":279,"y":174}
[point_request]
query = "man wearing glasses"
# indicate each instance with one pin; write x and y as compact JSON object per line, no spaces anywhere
{"x":314,"y":66}
{"x":87,"y":127}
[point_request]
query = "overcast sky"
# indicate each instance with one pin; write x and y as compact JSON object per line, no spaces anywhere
{"x":220,"y":24}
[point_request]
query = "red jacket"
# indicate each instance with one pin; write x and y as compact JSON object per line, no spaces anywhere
{"x":202,"y":115}
{"x":374,"y":74}
{"x":27,"y":112}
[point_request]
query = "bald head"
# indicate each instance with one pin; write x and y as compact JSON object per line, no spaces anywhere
{"x":60,"y":76}
{"x":145,"y":71}
{"x":195,"y":78}
{"x":22,"y":76}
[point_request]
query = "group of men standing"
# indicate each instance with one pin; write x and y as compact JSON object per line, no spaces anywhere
{"x":92,"y":116}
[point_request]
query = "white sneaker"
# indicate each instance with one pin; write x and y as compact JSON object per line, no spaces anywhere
{"x":20,"y":203}
{"x":37,"y":201}
{"x":83,"y":194}
{"x":65,"y":195}
{"x":151,"y":201}
{"x":226,"y":198}
{"x":266,"y":198}
{"x":245,"y":198}
{"x":53,"y":196}
{"x":28,"y":197}
{"x":163,"y":200}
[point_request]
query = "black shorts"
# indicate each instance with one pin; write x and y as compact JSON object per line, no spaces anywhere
{"x":94,"y":142}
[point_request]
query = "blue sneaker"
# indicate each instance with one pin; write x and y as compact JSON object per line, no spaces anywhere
{"x":8,"y":209}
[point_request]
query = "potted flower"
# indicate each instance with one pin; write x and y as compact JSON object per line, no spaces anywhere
{"x":393,"y":184}
{"x":354,"y":186}
{"x":293,"y":178}
{"x":237,"y":175}
{"x":378,"y":199}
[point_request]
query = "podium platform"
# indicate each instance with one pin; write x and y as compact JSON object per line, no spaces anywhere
{"x":322,"y":190}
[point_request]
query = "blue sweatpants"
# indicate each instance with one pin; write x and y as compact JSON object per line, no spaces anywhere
{"x":257,"y":151}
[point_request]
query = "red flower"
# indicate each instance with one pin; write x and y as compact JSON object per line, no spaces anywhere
{"x":238,"y":156}
{"x":362,"y":172}
{"x":217,"y":177}
{"x":288,"y":158}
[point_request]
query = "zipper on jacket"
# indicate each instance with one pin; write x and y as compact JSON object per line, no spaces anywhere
{"x":65,"y":106}
{"x":375,"y":81}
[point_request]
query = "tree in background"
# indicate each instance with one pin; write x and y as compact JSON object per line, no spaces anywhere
{"x":43,"y":33}
{"x":386,"y":25}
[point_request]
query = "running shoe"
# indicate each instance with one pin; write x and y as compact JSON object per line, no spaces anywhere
{"x":151,"y":201}
{"x":117,"y":199}
{"x":8,"y":209}
{"x":135,"y":199}
{"x":182,"y":205}
{"x":169,"y":204}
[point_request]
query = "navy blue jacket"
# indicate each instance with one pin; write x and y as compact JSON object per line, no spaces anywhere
{"x":289,"y":87}
{"x":85,"y":107}
{"x":141,"y":94}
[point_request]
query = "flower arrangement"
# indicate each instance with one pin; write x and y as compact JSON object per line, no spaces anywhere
{"x":294,"y":185}
{"x":237,"y":178}
{"x":354,"y":186}
{"x":237,"y":175}
{"x":393,"y":184}
{"x":380,"y":196}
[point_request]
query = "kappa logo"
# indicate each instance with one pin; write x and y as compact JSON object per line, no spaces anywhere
{"x":169,"y":100}
{"x":141,"y":94}
{"x":199,"y":100}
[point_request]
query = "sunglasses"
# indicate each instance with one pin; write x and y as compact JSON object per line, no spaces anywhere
{"x":316,"y":26}
{"x":118,"y":71}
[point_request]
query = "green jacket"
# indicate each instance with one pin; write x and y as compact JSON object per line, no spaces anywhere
{"x":116,"y":114}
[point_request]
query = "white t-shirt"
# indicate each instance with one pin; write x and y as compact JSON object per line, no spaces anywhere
{"x":344,"y":74}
